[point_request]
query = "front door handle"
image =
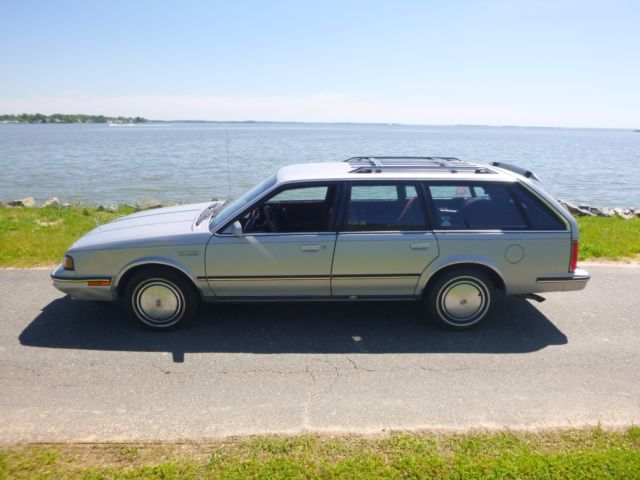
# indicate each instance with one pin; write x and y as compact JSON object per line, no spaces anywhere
{"x":420,"y":245}
{"x":310,"y":248}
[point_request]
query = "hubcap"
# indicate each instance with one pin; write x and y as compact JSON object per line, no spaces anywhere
{"x":463,"y":300}
{"x":159,"y":302}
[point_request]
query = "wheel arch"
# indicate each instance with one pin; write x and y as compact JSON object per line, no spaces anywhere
{"x":432,"y":274}
{"x":131,"y":269}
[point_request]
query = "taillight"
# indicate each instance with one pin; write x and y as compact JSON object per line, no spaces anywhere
{"x":574,"y":256}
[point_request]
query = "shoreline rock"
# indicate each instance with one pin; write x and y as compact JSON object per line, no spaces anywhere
{"x":23,"y":202}
{"x":52,"y":202}
{"x":588,"y":211}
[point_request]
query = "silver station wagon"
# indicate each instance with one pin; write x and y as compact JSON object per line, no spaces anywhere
{"x":436,"y":230}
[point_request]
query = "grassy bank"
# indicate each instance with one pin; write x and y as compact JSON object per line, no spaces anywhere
{"x":40,"y":236}
{"x":609,"y":238}
{"x":31,"y":237}
{"x":582,"y":454}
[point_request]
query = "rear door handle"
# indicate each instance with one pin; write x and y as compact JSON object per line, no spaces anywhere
{"x":310,"y":248}
{"x":419,"y":245}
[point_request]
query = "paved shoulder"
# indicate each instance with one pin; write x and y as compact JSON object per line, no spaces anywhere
{"x":80,"y":371}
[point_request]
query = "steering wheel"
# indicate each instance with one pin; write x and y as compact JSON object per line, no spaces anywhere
{"x":251,"y":222}
{"x":271,"y":219}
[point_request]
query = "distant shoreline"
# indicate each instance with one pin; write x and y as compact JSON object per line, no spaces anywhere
{"x":101,"y":119}
{"x":58,"y":118}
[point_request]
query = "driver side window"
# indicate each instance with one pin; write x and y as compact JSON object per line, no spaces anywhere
{"x":295,"y":209}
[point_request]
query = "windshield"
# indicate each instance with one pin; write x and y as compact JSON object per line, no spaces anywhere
{"x":237,"y":204}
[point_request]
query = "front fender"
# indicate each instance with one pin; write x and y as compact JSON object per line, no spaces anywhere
{"x":169,"y":262}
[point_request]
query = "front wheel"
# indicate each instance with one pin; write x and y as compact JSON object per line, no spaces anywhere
{"x":160,"y":298}
{"x":460,"y":298}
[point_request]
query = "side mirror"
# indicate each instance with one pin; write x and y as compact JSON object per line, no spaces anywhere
{"x":236,"y":229}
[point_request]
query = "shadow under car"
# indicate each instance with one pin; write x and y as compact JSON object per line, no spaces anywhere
{"x":514,"y":326}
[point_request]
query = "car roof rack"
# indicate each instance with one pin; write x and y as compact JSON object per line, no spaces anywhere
{"x":434,"y":164}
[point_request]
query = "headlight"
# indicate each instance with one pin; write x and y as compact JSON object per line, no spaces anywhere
{"x":68,"y":263}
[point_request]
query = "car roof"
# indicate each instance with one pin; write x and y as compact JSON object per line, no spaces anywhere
{"x":394,"y":168}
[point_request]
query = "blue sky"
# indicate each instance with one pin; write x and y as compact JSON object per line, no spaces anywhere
{"x":555,"y":63}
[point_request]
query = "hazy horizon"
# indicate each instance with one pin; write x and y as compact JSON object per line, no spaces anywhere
{"x":302,"y":122}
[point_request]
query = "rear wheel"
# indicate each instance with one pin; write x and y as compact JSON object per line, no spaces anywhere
{"x":160,"y":298}
{"x":460,"y":298}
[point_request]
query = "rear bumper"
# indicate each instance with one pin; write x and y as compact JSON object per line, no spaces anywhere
{"x":565,"y":283}
{"x":93,"y":287}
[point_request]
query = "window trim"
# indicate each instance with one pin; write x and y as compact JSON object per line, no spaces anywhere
{"x":346,"y":199}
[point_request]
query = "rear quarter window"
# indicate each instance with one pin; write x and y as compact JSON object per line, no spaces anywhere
{"x":539,"y":216}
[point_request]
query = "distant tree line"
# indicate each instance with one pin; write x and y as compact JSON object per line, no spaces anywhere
{"x":63,"y":118}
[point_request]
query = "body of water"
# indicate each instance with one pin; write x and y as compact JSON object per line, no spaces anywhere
{"x":186,"y":162}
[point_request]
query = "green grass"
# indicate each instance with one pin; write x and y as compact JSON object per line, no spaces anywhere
{"x":39,"y":236}
{"x":569,"y":454}
{"x":609,"y":238}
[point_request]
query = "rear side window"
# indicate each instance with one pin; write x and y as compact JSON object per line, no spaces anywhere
{"x":540,"y":216}
{"x":487,"y":206}
{"x":384,"y":207}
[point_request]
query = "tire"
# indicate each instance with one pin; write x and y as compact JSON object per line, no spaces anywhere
{"x":460,"y":298}
{"x":160,"y":298}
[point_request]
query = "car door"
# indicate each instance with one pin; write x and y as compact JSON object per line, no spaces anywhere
{"x":285,"y":249}
{"x":384,"y":243}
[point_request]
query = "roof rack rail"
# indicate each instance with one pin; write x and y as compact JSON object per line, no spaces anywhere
{"x":404,"y":159}
{"x":515,"y":169}
{"x":448,"y":164}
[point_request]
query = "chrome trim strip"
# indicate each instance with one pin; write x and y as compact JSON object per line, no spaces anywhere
{"x":366,"y":276}
{"x":260,"y":277}
{"x":313,"y":298}
{"x":478,"y":230}
{"x":80,"y":279}
{"x":274,"y":234}
{"x":378,"y":232}
{"x":580,"y":278}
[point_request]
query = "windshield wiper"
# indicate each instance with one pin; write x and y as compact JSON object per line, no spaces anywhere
{"x":210,"y":211}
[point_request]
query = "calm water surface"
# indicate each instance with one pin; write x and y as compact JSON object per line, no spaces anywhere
{"x":188,"y":162}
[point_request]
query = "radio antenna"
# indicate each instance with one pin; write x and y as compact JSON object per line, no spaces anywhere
{"x":228,"y":169}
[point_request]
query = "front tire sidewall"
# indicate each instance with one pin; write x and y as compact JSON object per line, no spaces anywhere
{"x":436,"y":299}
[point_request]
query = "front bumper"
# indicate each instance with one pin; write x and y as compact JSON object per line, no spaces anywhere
{"x":94,"y":287}
{"x":565,"y":283}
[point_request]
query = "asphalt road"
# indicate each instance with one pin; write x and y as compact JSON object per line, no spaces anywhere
{"x":77,"y":371}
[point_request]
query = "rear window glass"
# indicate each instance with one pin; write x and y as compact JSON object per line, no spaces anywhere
{"x":488,"y":206}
